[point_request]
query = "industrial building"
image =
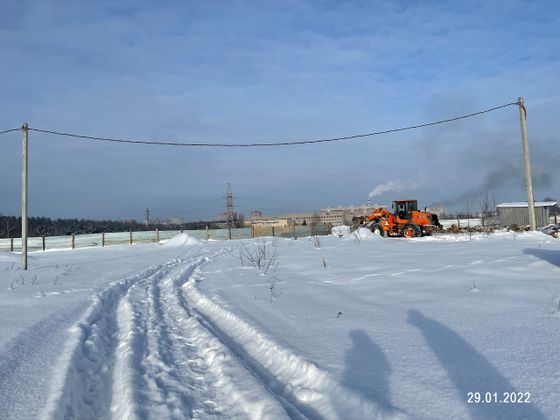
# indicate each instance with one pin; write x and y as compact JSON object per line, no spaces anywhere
{"x":335,"y":216}
{"x":518,"y":213}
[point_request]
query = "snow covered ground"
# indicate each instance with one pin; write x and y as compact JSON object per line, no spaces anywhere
{"x":351,"y":327}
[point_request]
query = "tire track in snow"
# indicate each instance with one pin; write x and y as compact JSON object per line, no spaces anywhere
{"x":209,"y":363}
{"x":148,"y":379}
{"x":82,"y":382}
{"x":138,"y":352}
{"x":301,"y":385}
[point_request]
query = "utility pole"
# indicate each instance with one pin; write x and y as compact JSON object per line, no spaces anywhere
{"x":24,"y":160}
{"x":229,"y":205}
{"x":147,"y":219}
{"x":528,"y":179}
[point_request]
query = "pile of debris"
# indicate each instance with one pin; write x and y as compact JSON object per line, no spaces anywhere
{"x":467,"y":229}
{"x":552,"y":230}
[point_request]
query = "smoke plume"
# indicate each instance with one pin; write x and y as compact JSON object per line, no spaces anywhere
{"x":502,"y":177}
{"x":392,"y":186}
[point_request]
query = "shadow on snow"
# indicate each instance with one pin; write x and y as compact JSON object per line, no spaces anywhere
{"x":553,"y":257}
{"x":470,"y":371}
{"x":367,"y":369}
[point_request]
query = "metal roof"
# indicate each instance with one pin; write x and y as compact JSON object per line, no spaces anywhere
{"x":524,"y":204}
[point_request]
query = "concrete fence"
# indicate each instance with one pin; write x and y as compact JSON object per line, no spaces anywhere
{"x":45,"y":243}
{"x":115,"y":238}
{"x":291,"y":231}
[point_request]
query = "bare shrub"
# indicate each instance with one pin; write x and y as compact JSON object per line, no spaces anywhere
{"x":256,"y":256}
{"x":265,"y":260}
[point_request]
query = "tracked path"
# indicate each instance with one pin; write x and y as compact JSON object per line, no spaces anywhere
{"x":153,"y":346}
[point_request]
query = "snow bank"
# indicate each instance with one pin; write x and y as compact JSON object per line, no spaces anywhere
{"x":361,"y":234}
{"x":182,"y":239}
{"x":517,"y":236}
{"x":340,"y":231}
{"x":501,"y":236}
{"x":364,"y":234}
{"x":527,"y":236}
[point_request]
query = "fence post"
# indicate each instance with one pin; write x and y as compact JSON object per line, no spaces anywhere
{"x":157,"y":235}
{"x":73,"y":240}
{"x":130,"y":240}
{"x":182,"y":228}
{"x":44,"y":247}
{"x":102,"y":238}
{"x":207,"y":233}
{"x":229,"y":230}
{"x":273,"y":231}
{"x":11,"y":244}
{"x":252,"y":231}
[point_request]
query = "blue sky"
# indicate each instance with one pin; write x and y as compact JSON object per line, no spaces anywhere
{"x":241,"y":71}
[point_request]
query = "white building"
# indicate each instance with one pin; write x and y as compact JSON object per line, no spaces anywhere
{"x":334,"y":216}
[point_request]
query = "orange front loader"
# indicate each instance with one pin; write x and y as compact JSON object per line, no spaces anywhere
{"x":405,"y":220}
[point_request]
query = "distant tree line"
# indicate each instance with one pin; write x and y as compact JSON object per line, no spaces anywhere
{"x":10,"y":226}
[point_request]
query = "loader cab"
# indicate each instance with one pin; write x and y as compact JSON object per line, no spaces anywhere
{"x":403,"y":208}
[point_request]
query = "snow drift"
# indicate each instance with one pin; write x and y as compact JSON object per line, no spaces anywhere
{"x":182,"y":239}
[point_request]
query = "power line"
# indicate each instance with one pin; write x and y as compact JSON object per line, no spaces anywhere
{"x":10,"y":130}
{"x":270,"y":144}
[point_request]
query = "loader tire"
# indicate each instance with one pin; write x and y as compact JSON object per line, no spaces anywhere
{"x":411,"y":230}
{"x":377,"y":227}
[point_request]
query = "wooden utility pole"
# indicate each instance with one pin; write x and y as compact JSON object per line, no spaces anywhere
{"x":24,"y":160}
{"x":528,"y":179}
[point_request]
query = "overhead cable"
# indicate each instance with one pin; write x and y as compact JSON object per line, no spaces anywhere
{"x":10,"y":130}
{"x":269,"y":144}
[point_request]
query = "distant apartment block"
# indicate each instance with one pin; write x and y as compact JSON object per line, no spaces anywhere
{"x":438,"y":211}
{"x":335,"y":216}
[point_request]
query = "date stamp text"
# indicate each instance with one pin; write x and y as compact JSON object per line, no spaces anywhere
{"x":498,"y":397}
